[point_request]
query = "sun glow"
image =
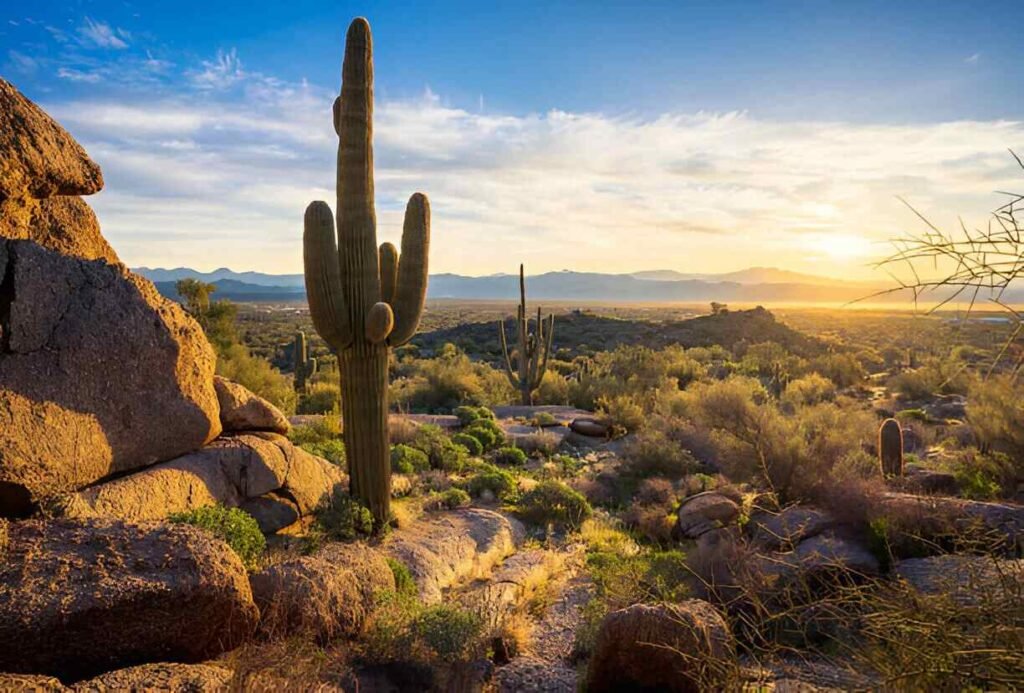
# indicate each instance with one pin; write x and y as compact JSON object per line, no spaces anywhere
{"x":844,"y":246}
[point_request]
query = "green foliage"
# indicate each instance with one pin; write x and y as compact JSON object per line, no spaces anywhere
{"x":553,"y":503}
{"x":195,"y":294}
{"x":342,"y":518}
{"x":405,"y":585}
{"x":449,"y":631}
{"x":653,"y":452}
{"x":453,"y":498}
{"x":320,"y":398}
{"x":235,"y":363}
{"x":439,"y":448}
{"x":408,"y":460}
{"x":500,"y":483}
{"x":813,"y":388}
{"x":996,"y":411}
{"x":331,"y":450}
{"x":449,"y":380}
{"x":322,"y":438}
{"x":467,"y":414}
{"x":469,"y":442}
{"x":543,"y":418}
{"x":236,"y":527}
{"x":487,"y":432}
{"x":509,"y":457}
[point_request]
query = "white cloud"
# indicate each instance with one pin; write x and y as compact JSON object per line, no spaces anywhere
{"x":973,"y":59}
{"x":78,"y":76}
{"x":101,"y":35}
{"x":229,"y":179}
{"x":22,"y":63}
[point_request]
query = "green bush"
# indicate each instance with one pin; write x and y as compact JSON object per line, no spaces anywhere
{"x":552,"y":502}
{"x":499,"y":482}
{"x":342,"y":518}
{"x":543,"y":418}
{"x":404,"y":583}
{"x":236,"y":527}
{"x":487,"y":431}
{"x":408,"y":460}
{"x":654,"y":453}
{"x":331,"y":450}
{"x":453,"y":498}
{"x":439,"y":448}
{"x":320,"y":398}
{"x":468,"y":414}
{"x":509,"y":457}
{"x":469,"y":442}
{"x":451,"y":632}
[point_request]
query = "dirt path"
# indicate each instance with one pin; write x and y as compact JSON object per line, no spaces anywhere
{"x":546,"y":666}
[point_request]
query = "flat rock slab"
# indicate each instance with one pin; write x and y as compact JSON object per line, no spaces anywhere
{"x":789,"y":526}
{"x":497,"y":596}
{"x":447,"y":548}
{"x":562,"y":415}
{"x":83,"y":597}
{"x":969,"y":580}
{"x":919,"y":514}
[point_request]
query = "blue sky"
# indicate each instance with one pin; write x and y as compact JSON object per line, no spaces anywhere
{"x":581,"y":135}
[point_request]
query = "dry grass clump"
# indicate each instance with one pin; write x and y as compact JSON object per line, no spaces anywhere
{"x":542,"y":442}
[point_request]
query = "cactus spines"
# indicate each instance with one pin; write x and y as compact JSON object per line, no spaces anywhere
{"x":890,"y":448}
{"x":532,"y":351}
{"x":305,"y":367}
{"x":363,"y":298}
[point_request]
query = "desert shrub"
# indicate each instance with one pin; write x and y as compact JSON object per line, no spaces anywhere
{"x":487,"y":431}
{"x":404,"y":582}
{"x":622,"y":410}
{"x":320,"y":398}
{"x":500,"y":483}
{"x":237,"y":364}
{"x":810,"y":389}
{"x":509,"y":457}
{"x":656,"y":491}
{"x":603,"y":534}
{"x":439,"y":448}
{"x":468,"y":414}
{"x":542,"y":442}
{"x":402,"y":430}
{"x":543,"y":418}
{"x":408,"y":460}
{"x":331,"y":450}
{"x":451,"y":499}
{"x":982,"y":476}
{"x":450,"y":632}
{"x":447,"y":381}
{"x":654,"y":453}
{"x":554,"y":388}
{"x":469,"y":442}
{"x":554,"y":503}
{"x":235,"y":527}
{"x":996,"y":412}
{"x":342,"y":518}
{"x":843,"y":369}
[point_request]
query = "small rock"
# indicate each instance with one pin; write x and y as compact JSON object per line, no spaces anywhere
{"x":704,"y":512}
{"x":669,"y":647}
{"x":589,"y":427}
{"x":241,"y":410}
{"x":163,"y":676}
{"x":788,"y":527}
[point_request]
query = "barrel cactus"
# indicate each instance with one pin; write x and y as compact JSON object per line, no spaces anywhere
{"x":532,"y":349}
{"x":890,"y":448}
{"x":305,"y":367}
{"x":363,"y":299}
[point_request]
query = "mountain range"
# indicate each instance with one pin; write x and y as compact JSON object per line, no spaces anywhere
{"x":753,"y":285}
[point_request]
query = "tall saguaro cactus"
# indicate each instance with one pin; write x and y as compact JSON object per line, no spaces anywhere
{"x":305,"y":367}
{"x":532,"y":351}
{"x":363,"y":299}
{"x":890,"y":448}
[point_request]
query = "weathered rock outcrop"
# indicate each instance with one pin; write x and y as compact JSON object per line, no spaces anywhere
{"x":969,"y":580}
{"x":162,"y":676}
{"x":704,"y":512}
{"x":327,"y":595}
{"x":788,"y":527}
{"x":230,"y":471}
{"x":241,"y":410}
{"x":449,"y":547}
{"x":99,"y":374}
{"x":81,"y":597}
{"x":670,"y":647}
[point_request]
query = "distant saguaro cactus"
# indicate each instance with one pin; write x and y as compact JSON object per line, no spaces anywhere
{"x":363,"y":299}
{"x":890,"y":447}
{"x":532,"y":351}
{"x":305,"y":367}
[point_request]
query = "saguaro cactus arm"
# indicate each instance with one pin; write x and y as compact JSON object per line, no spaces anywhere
{"x":388,"y":271}
{"x":509,"y":370}
{"x":411,"y":287}
{"x":323,"y":277}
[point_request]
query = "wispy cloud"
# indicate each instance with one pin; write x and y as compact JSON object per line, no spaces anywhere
{"x":973,"y":59}
{"x":223,"y":71}
{"x":78,"y":75}
{"x":102,"y":35}
{"x":21,"y":63}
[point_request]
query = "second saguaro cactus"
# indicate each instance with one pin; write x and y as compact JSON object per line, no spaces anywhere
{"x":305,"y":367}
{"x":363,"y":299}
{"x":890,"y":448}
{"x":532,"y":349}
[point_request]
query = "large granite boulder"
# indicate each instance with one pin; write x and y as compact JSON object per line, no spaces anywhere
{"x":82,"y":597}
{"x":685,"y":647}
{"x":231,"y":471}
{"x":703,"y":512}
{"x":98,"y":375}
{"x":241,"y":410}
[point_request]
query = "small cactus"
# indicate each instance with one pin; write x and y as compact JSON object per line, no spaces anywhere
{"x":890,"y":448}
{"x":305,"y":367}
{"x":533,"y":349}
{"x":364,"y":299}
